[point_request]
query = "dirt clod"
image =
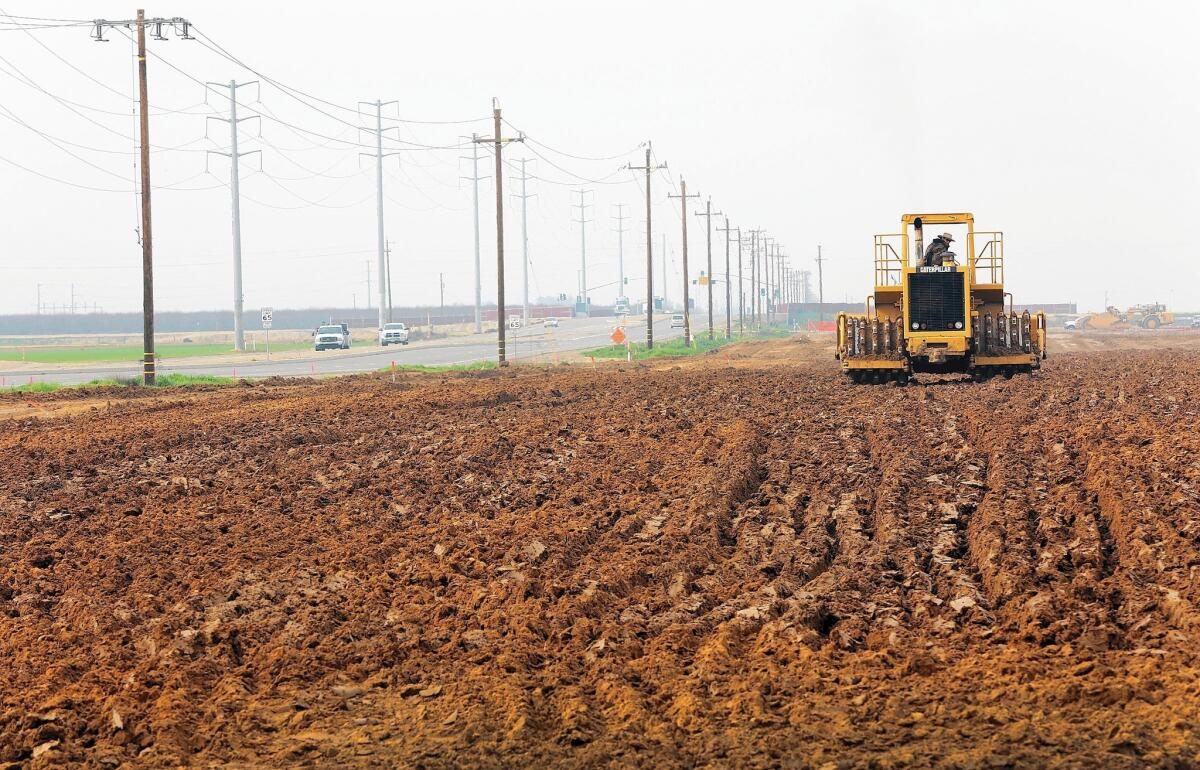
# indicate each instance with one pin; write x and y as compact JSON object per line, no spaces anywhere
{"x":742,"y":561}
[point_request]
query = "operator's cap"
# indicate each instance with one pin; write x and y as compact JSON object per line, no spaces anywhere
{"x":947,"y":237}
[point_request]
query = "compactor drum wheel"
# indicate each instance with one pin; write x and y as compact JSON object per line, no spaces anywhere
{"x":878,"y":376}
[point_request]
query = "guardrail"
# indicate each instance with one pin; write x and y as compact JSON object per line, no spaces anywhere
{"x":889,"y":265}
{"x":989,"y":262}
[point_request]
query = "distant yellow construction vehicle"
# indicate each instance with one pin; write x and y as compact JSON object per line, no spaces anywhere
{"x":1142,"y":316}
{"x":938,"y":318}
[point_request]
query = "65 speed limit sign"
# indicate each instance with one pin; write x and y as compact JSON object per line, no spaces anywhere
{"x":266,"y":318}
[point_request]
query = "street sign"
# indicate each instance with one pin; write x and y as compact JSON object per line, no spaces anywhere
{"x":267,"y":315}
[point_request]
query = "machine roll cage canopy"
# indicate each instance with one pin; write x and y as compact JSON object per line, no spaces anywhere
{"x":985,"y":267}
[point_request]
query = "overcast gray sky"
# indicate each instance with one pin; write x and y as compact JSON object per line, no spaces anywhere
{"x":1070,"y":126}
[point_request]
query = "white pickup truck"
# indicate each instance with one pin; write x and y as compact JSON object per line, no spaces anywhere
{"x":393,"y":334}
{"x":332,"y":336}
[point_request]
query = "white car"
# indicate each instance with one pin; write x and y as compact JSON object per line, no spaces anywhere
{"x":332,"y":336}
{"x":677,"y":321}
{"x":551,"y":323}
{"x":393,"y":334}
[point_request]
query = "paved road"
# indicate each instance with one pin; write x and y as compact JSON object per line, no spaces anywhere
{"x":532,"y":344}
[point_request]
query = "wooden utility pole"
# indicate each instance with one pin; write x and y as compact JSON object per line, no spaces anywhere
{"x":499,"y":141}
{"x":147,"y":240}
{"x":649,"y":250}
{"x":687,"y":313}
{"x":181,"y":27}
{"x":728,"y":284}
{"x":708,"y":214}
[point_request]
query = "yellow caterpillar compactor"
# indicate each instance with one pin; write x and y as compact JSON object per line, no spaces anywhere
{"x":938,"y":314}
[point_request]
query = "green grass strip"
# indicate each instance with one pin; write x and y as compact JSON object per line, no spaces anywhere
{"x":470,"y":366}
{"x":675,"y":347}
{"x":161,"y":381}
{"x":65,"y":354}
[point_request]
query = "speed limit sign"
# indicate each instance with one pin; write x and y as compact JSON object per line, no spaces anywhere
{"x":266,"y":317}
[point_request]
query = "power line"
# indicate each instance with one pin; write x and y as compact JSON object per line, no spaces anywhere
{"x":85,"y":74}
{"x":17,"y":27}
{"x":564,"y":153}
{"x":221,"y":51}
{"x":61,"y":181}
{"x":42,"y":18}
{"x":301,"y":129}
{"x":7,"y":113}
{"x":67,"y":104}
{"x":602,"y":180}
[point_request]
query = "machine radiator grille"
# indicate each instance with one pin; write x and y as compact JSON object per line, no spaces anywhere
{"x":936,"y":301}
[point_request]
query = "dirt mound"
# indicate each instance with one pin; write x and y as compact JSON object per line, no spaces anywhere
{"x":709,"y":566}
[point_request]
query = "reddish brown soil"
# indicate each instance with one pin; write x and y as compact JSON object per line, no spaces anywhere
{"x":652,"y":567}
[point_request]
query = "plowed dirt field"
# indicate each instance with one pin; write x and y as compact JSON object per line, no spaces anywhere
{"x":718,"y":564}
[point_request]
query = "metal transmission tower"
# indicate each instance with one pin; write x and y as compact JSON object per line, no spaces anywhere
{"x":649,"y":169}
{"x":741,"y":290}
{"x":778,"y":276}
{"x":782,"y":270}
{"x":687,"y":314}
{"x":755,"y":276}
{"x":620,"y":231}
{"x":773,"y":263}
{"x":475,"y":177}
{"x":524,"y":196}
{"x":820,"y":285}
{"x":708,"y":214}
{"x":368,"y":263}
{"x":379,"y":156}
{"x":663,"y":258}
{"x":728,"y":283}
{"x":181,"y":27}
{"x":582,"y":221}
{"x":764,"y":275}
{"x":498,"y":142}
{"x":789,"y":282}
{"x":239,"y":334}
{"x":806,"y":286}
{"x":391,"y":303}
